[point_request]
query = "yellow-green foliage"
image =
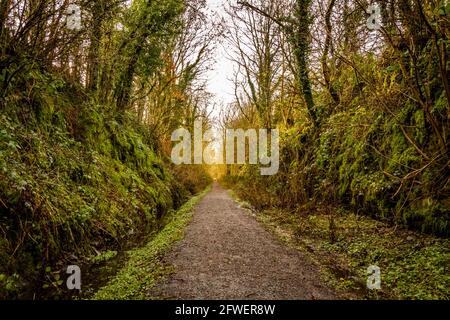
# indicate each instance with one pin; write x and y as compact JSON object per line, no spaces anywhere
{"x":376,"y":152}
{"x":74,"y":177}
{"x":143,"y":267}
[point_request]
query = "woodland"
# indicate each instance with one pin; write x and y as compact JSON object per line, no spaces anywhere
{"x":360,"y":98}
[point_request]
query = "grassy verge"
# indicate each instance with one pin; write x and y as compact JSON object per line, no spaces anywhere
{"x":344,"y":245}
{"x":78,"y":180}
{"x":144,"y":268}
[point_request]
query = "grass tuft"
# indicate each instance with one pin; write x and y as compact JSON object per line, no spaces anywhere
{"x":144,"y":267}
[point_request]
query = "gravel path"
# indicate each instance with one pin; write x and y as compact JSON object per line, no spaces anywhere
{"x":227,"y":254}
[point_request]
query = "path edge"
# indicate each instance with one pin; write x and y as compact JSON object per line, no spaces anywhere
{"x":144,"y":268}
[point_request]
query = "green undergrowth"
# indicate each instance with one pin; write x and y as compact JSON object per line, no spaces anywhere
{"x":77,"y":178}
{"x":378,"y":152}
{"x":143,"y":267}
{"x":344,"y":245}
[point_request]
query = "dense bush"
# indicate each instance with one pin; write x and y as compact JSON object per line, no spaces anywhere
{"x":75,"y":178}
{"x":376,"y":153}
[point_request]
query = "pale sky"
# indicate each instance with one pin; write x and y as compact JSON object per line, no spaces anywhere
{"x":219,"y":77}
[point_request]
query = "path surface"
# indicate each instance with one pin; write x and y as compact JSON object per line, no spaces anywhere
{"x":227,"y":254}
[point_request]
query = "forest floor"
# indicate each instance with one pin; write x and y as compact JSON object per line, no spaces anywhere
{"x":227,"y":254}
{"x":344,"y":245}
{"x":218,"y":247}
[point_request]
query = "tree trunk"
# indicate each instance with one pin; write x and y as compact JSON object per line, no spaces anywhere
{"x":301,"y":48}
{"x":93,"y":68}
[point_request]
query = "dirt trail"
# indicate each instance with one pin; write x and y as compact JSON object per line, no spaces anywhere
{"x":227,"y":254}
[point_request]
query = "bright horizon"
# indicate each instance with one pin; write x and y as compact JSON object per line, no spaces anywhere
{"x":219,"y":83}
